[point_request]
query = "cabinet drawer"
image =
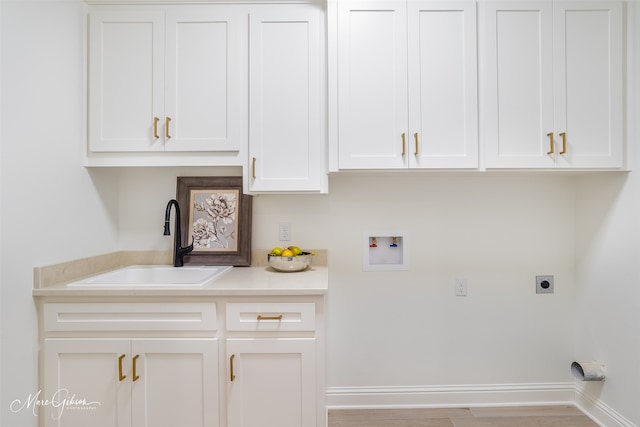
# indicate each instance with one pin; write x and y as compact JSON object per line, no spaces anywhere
{"x":130,"y":317}
{"x":271,"y":317}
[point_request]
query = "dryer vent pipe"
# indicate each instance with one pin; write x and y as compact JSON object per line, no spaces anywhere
{"x":588,"y":371}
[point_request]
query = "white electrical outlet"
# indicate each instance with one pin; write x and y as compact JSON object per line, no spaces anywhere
{"x":461,"y":287}
{"x":284,"y":231}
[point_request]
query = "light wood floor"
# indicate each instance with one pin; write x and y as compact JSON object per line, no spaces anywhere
{"x":523,"y":416}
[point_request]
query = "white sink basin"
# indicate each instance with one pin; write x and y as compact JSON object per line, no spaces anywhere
{"x":154,"y":275}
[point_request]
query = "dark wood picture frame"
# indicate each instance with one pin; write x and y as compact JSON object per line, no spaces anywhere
{"x":222,"y":233}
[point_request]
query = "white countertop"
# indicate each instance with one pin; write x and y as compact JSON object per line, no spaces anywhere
{"x":238,"y":281}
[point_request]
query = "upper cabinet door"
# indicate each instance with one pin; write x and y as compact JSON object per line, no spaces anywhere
{"x":588,"y":83}
{"x":407,"y":84}
{"x":203,"y":79}
{"x":553,"y":84}
{"x":519,"y":87}
{"x":372,"y":84}
{"x":286,"y":119}
{"x":166,"y":79}
{"x":443,"y":88}
{"x":126,"y":81}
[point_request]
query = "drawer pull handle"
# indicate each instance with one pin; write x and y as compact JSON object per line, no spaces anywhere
{"x":261,"y":317}
{"x":404,"y":143}
{"x":135,"y":359}
{"x":415,"y":135}
{"x":253,"y":167}
{"x":120,"y":376}
{"x":231,"y":375}
{"x":551,"y":144}
{"x":155,"y":128}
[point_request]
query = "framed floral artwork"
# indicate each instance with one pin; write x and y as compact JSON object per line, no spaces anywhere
{"x":216,"y":219}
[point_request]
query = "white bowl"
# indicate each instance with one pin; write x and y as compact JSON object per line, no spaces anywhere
{"x":290,"y":263}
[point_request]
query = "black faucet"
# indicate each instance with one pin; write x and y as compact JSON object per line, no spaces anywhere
{"x":178,"y":251}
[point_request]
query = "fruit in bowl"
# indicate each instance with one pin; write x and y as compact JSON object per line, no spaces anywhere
{"x":290,"y":259}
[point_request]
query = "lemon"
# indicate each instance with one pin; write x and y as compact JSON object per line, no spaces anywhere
{"x":277,"y":251}
{"x":296,"y":250}
{"x":287,"y":252}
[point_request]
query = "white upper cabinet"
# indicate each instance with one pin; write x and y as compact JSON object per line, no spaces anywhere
{"x":211,"y":85}
{"x":443,"y":84}
{"x":588,"y":83}
{"x":203,"y":79}
{"x":126,"y":80}
{"x":287,"y":124}
{"x":407,"y":84}
{"x":372,"y":84}
{"x":553,"y":84}
{"x":163,"y":79}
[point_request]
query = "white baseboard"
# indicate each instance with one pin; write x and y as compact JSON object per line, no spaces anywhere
{"x":599,"y":411}
{"x":476,"y":396}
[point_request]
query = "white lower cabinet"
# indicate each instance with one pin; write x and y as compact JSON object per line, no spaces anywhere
{"x":121,"y":364}
{"x":271,"y":382}
{"x":141,"y":382}
{"x":206,"y":362}
{"x":272,"y":376}
{"x":177,"y":384}
{"x":85,"y":368}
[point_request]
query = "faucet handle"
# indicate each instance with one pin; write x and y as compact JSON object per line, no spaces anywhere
{"x":189,"y":248}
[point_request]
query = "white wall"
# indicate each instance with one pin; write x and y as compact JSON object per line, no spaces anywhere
{"x":407,"y":328}
{"x":1,"y":257}
{"x":52,"y":209}
{"x":608,"y":263}
{"x":143,"y":197}
{"x":608,"y":287}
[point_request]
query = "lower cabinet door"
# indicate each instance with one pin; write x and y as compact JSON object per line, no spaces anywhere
{"x":175,"y":382}
{"x":130,"y":383}
{"x":86,"y":383}
{"x":271,"y":382}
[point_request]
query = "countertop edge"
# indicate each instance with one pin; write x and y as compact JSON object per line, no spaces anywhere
{"x":156,"y":292}
{"x":257,"y":280}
